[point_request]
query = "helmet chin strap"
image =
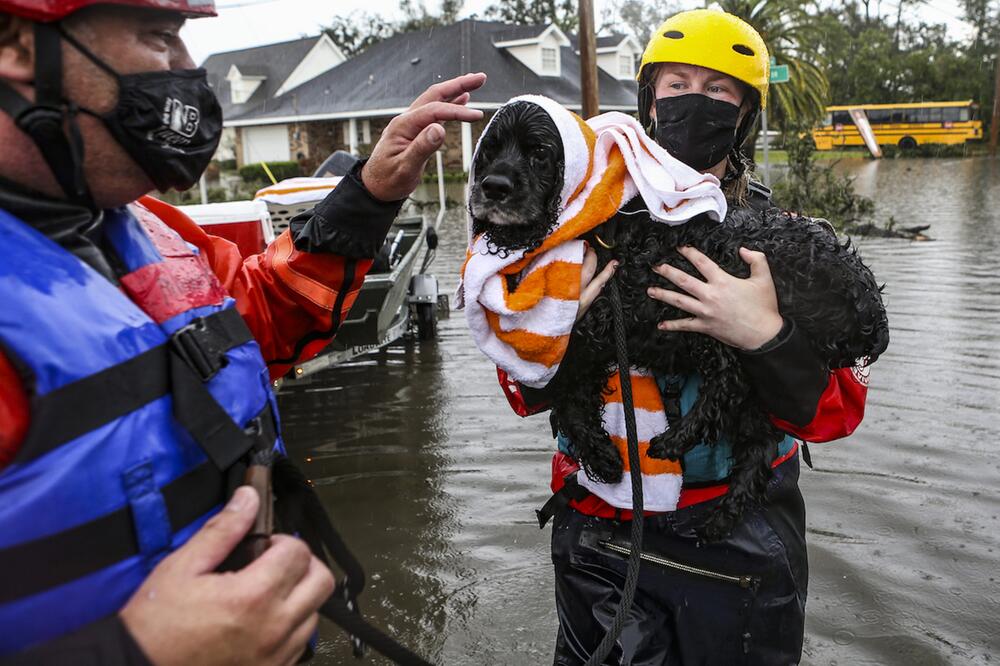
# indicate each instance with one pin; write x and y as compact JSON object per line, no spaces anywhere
{"x":50,"y":120}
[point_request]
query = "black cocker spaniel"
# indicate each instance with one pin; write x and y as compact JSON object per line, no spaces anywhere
{"x":823,"y":288}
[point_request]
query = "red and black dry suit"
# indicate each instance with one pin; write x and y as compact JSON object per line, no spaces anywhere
{"x":292,"y":297}
{"x":746,"y":602}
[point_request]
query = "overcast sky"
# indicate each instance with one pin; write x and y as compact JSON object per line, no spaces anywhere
{"x":244,"y":23}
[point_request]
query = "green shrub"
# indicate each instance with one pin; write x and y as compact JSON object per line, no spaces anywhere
{"x":227,"y":165}
{"x":816,"y":190}
{"x":449,"y":176}
{"x":254,"y":173}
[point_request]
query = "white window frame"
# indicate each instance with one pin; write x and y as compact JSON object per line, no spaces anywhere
{"x":553,"y":67}
{"x":626,"y":65}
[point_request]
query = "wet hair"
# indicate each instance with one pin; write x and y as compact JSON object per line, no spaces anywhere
{"x":739,"y":165}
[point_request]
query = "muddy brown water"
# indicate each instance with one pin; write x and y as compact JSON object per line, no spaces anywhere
{"x":433,"y":480}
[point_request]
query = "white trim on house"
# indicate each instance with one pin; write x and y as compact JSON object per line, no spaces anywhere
{"x":560,"y":37}
{"x":315,"y":62}
{"x":380,"y":113}
{"x":541,"y":54}
{"x":351,"y":138}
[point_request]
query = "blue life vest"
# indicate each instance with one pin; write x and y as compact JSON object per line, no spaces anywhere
{"x":143,"y":400}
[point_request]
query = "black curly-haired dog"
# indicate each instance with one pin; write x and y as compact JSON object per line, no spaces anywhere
{"x":518,"y":169}
{"x":822,"y":285}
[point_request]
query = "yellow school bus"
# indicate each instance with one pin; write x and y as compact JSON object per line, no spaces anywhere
{"x":903,"y":125}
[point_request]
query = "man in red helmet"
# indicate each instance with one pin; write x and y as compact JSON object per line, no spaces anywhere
{"x":136,"y":352}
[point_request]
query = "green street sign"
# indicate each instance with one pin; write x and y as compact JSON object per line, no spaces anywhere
{"x":779,"y":73}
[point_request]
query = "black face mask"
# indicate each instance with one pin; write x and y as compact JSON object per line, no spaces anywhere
{"x":696,"y":129}
{"x":169,"y":122}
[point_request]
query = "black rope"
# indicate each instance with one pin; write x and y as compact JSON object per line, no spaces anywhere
{"x":632,"y":574}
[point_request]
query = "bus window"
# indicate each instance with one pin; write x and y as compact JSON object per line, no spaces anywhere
{"x":897,"y":116}
{"x":842,"y":118}
{"x":935,"y":115}
{"x":878,"y":116}
{"x":950,"y":114}
{"x":964,"y":115}
{"x":920,"y":115}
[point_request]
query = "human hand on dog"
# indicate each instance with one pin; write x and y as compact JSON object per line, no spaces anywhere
{"x":397,"y":162}
{"x":740,"y":312}
{"x":592,"y":282}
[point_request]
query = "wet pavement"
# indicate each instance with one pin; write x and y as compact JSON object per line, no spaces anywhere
{"x":433,"y":480}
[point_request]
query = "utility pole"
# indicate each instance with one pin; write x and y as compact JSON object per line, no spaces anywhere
{"x":591,"y":102}
{"x":995,"y":122}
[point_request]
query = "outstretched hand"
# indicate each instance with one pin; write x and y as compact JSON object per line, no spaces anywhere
{"x":396,"y":165}
{"x":740,"y":312}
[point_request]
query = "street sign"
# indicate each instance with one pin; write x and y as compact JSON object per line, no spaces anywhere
{"x":779,"y":73}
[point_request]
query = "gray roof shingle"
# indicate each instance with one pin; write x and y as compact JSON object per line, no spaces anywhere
{"x":389,"y":75}
{"x":275,"y":61}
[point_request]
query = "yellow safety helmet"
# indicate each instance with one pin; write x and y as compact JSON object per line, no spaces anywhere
{"x":709,"y":38}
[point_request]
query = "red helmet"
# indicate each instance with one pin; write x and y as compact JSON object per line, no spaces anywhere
{"x":55,"y":10}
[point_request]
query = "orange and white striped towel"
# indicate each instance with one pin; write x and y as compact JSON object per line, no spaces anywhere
{"x":608,"y":160}
{"x":292,"y":191}
{"x":661,"y":479}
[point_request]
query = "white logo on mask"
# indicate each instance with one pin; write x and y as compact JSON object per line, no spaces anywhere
{"x":180,"y":122}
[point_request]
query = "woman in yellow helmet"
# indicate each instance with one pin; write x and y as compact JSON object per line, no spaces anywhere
{"x":741,"y":600}
{"x":702,"y":83}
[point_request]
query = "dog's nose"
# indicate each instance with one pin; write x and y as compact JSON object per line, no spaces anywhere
{"x":496,"y":187}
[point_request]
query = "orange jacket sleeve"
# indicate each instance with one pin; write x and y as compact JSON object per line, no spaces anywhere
{"x":296,"y":293}
{"x":293,"y":301}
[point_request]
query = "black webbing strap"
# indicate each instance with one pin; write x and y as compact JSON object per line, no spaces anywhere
{"x":337,"y":611}
{"x":195,"y":408}
{"x":53,"y":560}
{"x":49,"y":121}
{"x":75,"y":409}
{"x":302,"y":511}
{"x":571,"y":491}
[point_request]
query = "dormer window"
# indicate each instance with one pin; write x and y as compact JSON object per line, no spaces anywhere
{"x":626,"y":65}
{"x":550,"y":63}
{"x":537,"y":47}
{"x":243,"y":84}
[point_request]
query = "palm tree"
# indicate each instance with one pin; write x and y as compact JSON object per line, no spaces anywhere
{"x":790,"y":35}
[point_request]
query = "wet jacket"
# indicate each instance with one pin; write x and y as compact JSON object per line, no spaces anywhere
{"x":149,"y":288}
{"x":801,"y":396}
{"x":105,"y":457}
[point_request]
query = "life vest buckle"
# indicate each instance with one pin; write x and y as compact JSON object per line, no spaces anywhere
{"x":201,"y":348}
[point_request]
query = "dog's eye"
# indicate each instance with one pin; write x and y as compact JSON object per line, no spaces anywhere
{"x":539,"y":156}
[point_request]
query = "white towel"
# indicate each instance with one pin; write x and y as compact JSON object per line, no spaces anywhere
{"x":608,"y":160}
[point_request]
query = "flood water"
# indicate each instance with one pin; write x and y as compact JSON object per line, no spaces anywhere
{"x":433,"y":480}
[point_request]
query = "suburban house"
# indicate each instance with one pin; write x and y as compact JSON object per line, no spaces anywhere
{"x":346,"y":104}
{"x":249,"y":79}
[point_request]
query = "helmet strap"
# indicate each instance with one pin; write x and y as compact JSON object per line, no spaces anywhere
{"x":51,"y":121}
